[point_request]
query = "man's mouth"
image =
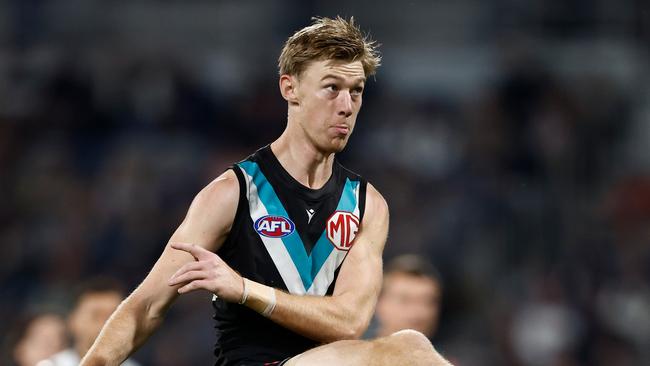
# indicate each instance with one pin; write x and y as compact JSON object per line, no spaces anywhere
{"x":342,"y":129}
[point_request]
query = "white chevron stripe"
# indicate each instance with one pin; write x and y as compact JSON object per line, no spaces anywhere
{"x":325,"y":276}
{"x":274,"y":246}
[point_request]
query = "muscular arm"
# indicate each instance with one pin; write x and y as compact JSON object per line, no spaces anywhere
{"x":343,"y":315}
{"x":347,"y":313}
{"x":207,"y":224}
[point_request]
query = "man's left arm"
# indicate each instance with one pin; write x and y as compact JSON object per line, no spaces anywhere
{"x":347,"y":313}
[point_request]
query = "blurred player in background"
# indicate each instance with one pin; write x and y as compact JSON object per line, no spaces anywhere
{"x":410,"y":297}
{"x":94,"y":303}
{"x":298,"y":238}
{"x":36,"y":337}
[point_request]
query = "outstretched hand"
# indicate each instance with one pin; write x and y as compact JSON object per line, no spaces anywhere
{"x":207,"y":272}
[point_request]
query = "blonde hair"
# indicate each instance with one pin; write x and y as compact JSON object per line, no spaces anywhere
{"x":328,"y":39}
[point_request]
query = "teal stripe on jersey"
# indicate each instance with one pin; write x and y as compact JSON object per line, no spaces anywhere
{"x":323,"y":247}
{"x":270,"y":200}
{"x":307,"y":265}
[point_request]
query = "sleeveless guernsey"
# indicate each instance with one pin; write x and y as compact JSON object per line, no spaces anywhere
{"x":289,"y":237}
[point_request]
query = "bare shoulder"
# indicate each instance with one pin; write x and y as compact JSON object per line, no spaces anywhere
{"x":223,"y":188}
{"x":212,"y":213}
{"x":221,"y":193}
{"x":376,"y":205}
{"x":374,"y":226}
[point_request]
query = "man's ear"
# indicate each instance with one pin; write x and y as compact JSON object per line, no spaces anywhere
{"x":288,"y":88}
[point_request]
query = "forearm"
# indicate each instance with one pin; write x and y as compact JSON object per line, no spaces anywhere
{"x":322,"y":318}
{"x":126,"y":330}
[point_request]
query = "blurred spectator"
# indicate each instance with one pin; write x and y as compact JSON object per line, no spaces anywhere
{"x":545,"y":329}
{"x":410,"y":297}
{"x":36,"y":337}
{"x":95,"y":302}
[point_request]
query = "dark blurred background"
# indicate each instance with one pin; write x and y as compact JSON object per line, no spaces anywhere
{"x":510,"y":138}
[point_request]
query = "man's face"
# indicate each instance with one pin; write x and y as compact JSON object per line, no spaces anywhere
{"x":44,"y":337}
{"x":90,"y":314}
{"x":329,"y":97}
{"x":409,"y":302}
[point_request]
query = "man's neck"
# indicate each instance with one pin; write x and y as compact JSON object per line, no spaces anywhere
{"x":303,"y":161}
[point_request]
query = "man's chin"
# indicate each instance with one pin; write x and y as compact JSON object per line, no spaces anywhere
{"x":333,"y":146}
{"x":338,"y":145}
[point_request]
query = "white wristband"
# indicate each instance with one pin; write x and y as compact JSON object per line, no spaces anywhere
{"x":258,"y":297}
{"x":244,"y":295}
{"x":271,"y":305}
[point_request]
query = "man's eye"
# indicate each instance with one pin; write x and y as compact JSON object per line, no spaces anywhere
{"x":332,"y":87}
{"x":357,"y":91}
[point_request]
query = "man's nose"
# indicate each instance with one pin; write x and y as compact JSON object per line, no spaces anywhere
{"x":345,"y":103}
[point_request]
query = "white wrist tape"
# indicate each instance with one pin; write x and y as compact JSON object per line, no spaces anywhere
{"x":259,"y":297}
{"x":271,"y":305}
{"x":244,"y":295}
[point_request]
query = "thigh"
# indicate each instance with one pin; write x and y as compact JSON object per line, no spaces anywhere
{"x":406,"y":347}
{"x":344,"y":353}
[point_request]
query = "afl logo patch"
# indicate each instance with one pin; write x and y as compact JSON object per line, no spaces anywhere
{"x":341,"y":228}
{"x":274,"y":226}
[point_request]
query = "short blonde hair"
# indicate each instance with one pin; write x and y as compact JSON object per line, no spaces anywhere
{"x":328,"y":39}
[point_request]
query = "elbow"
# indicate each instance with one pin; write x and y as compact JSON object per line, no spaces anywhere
{"x":340,"y":334}
{"x":155,"y":312}
{"x":349,"y":330}
{"x":359,"y":329}
{"x":348,"y":333}
{"x":147,"y":309}
{"x":354,"y":324}
{"x":347,"y":322}
{"x":145,"y":312}
{"x":352,"y":332}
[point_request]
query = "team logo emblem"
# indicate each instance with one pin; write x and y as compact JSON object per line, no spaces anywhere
{"x":341,"y":228}
{"x":274,"y":226}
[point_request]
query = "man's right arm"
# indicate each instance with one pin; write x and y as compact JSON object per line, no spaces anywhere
{"x":207,"y":224}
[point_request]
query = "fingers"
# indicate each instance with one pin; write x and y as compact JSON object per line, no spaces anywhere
{"x":194,"y":285}
{"x":208,"y":272}
{"x":186,"y":277}
{"x":196,"y":251}
{"x":191,"y":266}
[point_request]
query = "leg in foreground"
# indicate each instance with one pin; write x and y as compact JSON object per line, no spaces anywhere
{"x":407,"y":347}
